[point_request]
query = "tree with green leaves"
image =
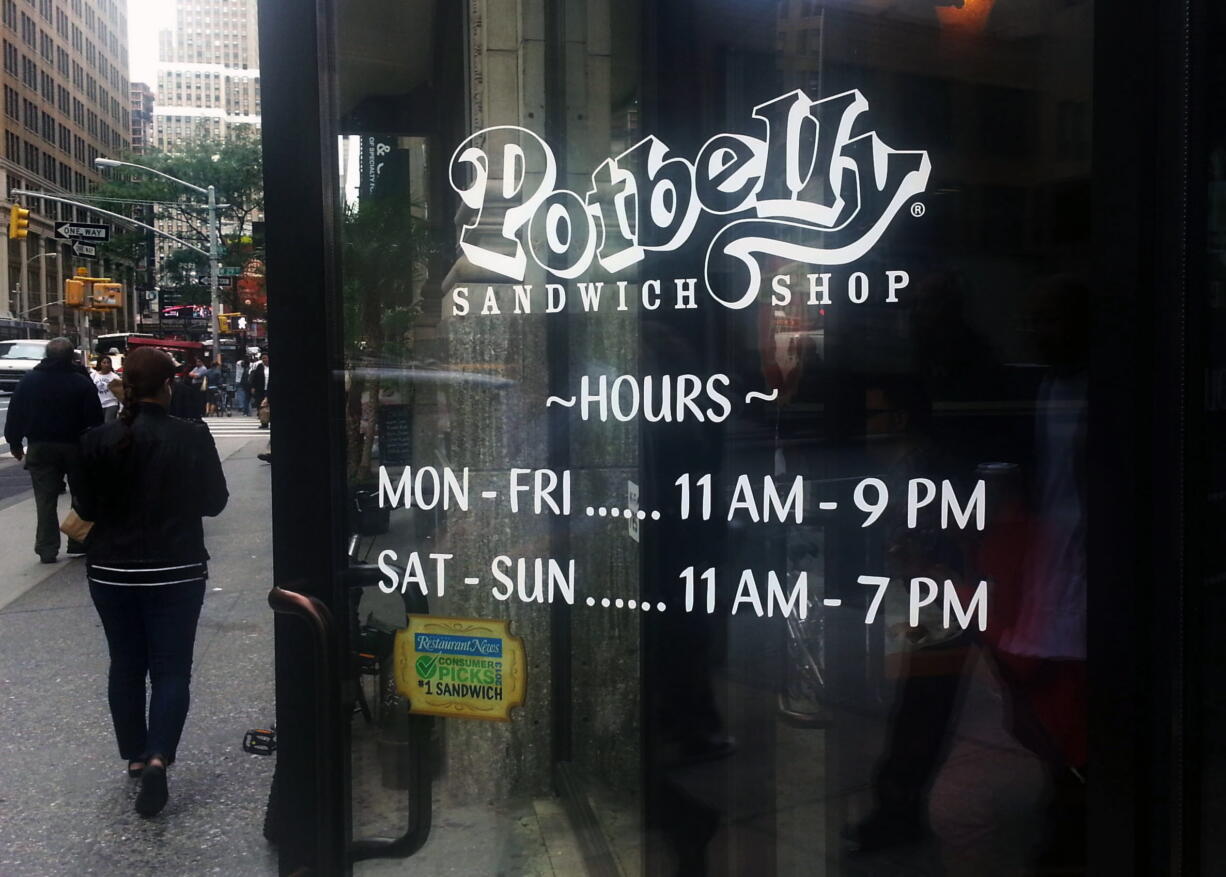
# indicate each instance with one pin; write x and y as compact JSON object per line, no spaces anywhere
{"x":385,"y":249}
{"x":233,"y":167}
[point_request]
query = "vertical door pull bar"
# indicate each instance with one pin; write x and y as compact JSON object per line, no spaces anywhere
{"x":326,"y":683}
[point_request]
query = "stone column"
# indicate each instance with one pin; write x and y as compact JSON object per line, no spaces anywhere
{"x":23,"y":300}
{"x":497,"y":428}
{"x":7,"y":302}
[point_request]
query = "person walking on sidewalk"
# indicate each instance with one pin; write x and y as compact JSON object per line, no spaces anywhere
{"x":263,"y":406}
{"x":259,"y":380}
{"x":146,"y":482}
{"x":52,"y":406}
{"x":260,"y":389}
{"x":213,"y":385}
{"x":242,"y":386}
{"x":188,"y":395}
{"x":107,"y":381}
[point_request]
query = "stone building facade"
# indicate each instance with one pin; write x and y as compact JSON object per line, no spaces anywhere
{"x":65,"y":80}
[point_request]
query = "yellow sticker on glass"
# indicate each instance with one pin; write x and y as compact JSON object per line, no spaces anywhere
{"x":469,"y":668}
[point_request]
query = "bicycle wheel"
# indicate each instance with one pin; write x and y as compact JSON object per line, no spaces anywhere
{"x":802,"y":692}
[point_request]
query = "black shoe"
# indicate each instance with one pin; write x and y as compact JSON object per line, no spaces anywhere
{"x":267,"y":458}
{"x":74,"y":549}
{"x":153,"y":791}
{"x":263,"y":426}
{"x":47,"y":558}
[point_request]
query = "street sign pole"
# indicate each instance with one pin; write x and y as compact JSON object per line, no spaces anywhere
{"x":214,"y":267}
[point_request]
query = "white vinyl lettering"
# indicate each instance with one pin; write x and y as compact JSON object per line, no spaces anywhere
{"x":813,"y":187}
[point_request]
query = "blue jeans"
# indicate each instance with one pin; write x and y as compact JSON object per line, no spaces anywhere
{"x":149,"y":631}
{"x":242,"y":400}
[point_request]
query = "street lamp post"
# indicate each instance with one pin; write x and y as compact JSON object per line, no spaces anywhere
{"x":80,"y":337}
{"x":214,"y":240}
{"x":50,"y":304}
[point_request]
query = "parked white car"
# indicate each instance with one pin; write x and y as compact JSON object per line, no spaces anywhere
{"x":17,"y":357}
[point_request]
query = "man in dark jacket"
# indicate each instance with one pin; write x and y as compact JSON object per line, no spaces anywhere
{"x":52,"y":406}
{"x":260,"y":388}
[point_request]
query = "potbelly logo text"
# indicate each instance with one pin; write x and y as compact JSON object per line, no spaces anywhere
{"x":809,"y":189}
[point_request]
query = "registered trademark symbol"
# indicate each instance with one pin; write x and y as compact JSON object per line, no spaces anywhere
{"x":917,"y":209}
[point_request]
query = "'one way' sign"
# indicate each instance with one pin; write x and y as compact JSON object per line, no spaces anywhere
{"x":83,"y":231}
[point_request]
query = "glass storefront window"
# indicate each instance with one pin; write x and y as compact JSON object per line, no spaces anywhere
{"x":733,"y":357}
{"x":717,"y":395}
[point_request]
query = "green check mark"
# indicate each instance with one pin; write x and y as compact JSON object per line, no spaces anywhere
{"x":426,"y":666}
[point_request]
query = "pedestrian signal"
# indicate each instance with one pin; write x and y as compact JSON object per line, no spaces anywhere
{"x":107,"y":295}
{"x":74,"y":293}
{"x":19,"y":222}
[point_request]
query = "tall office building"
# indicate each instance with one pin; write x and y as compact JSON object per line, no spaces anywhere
{"x":208,"y":83}
{"x":208,"y":79}
{"x":141,"y":98}
{"x":65,"y":79}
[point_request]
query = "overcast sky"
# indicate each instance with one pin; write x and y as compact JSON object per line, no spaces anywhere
{"x":145,"y":19}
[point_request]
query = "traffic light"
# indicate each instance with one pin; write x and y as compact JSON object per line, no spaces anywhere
{"x":223,"y":323}
{"x":108,"y":295}
{"x":19,"y":222}
{"x":74,"y":293}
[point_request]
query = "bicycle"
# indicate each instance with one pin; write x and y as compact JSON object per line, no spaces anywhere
{"x":802,"y":699}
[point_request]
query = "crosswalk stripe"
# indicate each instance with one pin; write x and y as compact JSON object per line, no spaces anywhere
{"x":234,"y":427}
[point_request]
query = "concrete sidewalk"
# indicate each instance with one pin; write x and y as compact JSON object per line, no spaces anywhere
{"x":64,"y":793}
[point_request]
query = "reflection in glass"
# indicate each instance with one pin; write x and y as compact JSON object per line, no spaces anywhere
{"x":892,"y":681}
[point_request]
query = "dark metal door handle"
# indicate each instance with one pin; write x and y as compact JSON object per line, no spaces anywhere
{"x":327,"y":683}
{"x":421,"y":729}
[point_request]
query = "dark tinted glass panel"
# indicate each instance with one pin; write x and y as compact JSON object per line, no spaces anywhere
{"x":730,"y":358}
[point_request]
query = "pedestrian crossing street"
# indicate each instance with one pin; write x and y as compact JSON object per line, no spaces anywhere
{"x":235,"y":427}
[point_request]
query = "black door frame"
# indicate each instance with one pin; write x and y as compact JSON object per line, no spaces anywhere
{"x":1143,"y":144}
{"x":308,"y":488}
{"x":1137,"y":533}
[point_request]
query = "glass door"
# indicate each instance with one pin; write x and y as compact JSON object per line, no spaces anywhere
{"x":688,"y":461}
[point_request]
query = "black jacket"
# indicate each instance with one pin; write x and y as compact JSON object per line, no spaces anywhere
{"x":259,"y":380}
{"x":186,"y":400}
{"x":147,"y":486}
{"x":54,"y":402}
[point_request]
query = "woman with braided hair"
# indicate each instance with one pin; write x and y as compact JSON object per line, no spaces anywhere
{"x":146,"y":481}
